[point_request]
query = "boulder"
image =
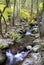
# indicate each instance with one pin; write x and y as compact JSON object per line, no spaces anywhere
{"x":2,"y":58}
{"x":36,"y":41}
{"x":42,"y":46}
{"x":27,"y":40}
{"x":28,"y":61}
{"x":36,"y":48}
{"x":5,"y":43}
{"x":37,"y":58}
{"x":37,"y":35}
{"x":43,"y":57}
{"x":29,"y":47}
{"x":34,"y":30}
{"x":33,"y":59}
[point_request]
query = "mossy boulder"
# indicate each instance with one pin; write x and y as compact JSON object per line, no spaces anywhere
{"x":42,"y":46}
{"x":2,"y":58}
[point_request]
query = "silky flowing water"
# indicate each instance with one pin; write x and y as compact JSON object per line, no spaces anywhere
{"x":17,"y":57}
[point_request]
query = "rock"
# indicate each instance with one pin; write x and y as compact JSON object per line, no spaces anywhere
{"x":0,"y":37}
{"x":29,"y":47}
{"x":42,"y":46}
{"x":36,"y":41}
{"x":37,"y":35}
{"x":37,"y":58}
{"x":35,"y":26}
{"x":33,"y":59}
{"x":28,"y":61}
{"x":34,"y":30}
{"x":5,"y":43}
{"x":6,"y":35}
{"x":28,"y":33}
{"x":36,"y":48}
{"x":18,"y":30}
{"x":43,"y":57}
{"x":27,"y":40}
{"x":2,"y":58}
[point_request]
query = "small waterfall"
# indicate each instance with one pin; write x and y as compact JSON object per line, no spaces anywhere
{"x":18,"y":57}
{"x":9,"y":57}
{"x":28,"y":33}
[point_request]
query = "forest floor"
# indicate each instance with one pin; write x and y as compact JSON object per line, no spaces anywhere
{"x":31,"y":41}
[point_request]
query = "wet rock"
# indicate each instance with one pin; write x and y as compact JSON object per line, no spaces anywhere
{"x":43,"y":58}
{"x":27,"y":40}
{"x":42,"y":46}
{"x":28,"y":61}
{"x":18,"y":30}
{"x":5,"y":43}
{"x":29,"y":47}
{"x":36,"y":41}
{"x":0,"y":37}
{"x":37,"y":35}
{"x":33,"y":59}
{"x":6,"y":35}
{"x":28,"y":33}
{"x":36,"y":48}
{"x":2,"y":58}
{"x":35,"y":26}
{"x":37,"y":58}
{"x":34,"y":30}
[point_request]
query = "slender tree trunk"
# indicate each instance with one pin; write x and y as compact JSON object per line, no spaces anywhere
{"x":31,"y":9}
{"x":1,"y":15}
{"x":43,"y":5}
{"x":8,"y":3}
{"x":0,"y":26}
{"x":14,"y":13}
{"x":5,"y":24}
{"x":37,"y":4}
{"x":41,"y":25}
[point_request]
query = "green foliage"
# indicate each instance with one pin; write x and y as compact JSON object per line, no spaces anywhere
{"x":33,"y":22}
{"x":25,"y":14}
{"x":1,"y":46}
{"x":42,"y":46}
{"x":15,"y":36}
{"x":7,"y":12}
{"x":1,"y":7}
{"x":41,"y":6}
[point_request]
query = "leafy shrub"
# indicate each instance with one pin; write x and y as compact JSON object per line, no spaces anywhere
{"x":41,"y":6}
{"x":1,"y":7}
{"x":15,"y":35}
{"x":7,"y":12}
{"x":25,"y":14}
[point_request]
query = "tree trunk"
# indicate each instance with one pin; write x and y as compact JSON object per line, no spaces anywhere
{"x":0,"y":27}
{"x":1,"y":24}
{"x":14,"y":13}
{"x":42,"y":23}
{"x":8,"y":3}
{"x":31,"y":9}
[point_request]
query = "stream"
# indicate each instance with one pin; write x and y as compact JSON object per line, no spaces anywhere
{"x":17,"y":57}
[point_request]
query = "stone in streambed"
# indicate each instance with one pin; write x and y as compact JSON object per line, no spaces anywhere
{"x":37,"y":58}
{"x":2,"y":58}
{"x":28,"y":61}
{"x":36,"y":48}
